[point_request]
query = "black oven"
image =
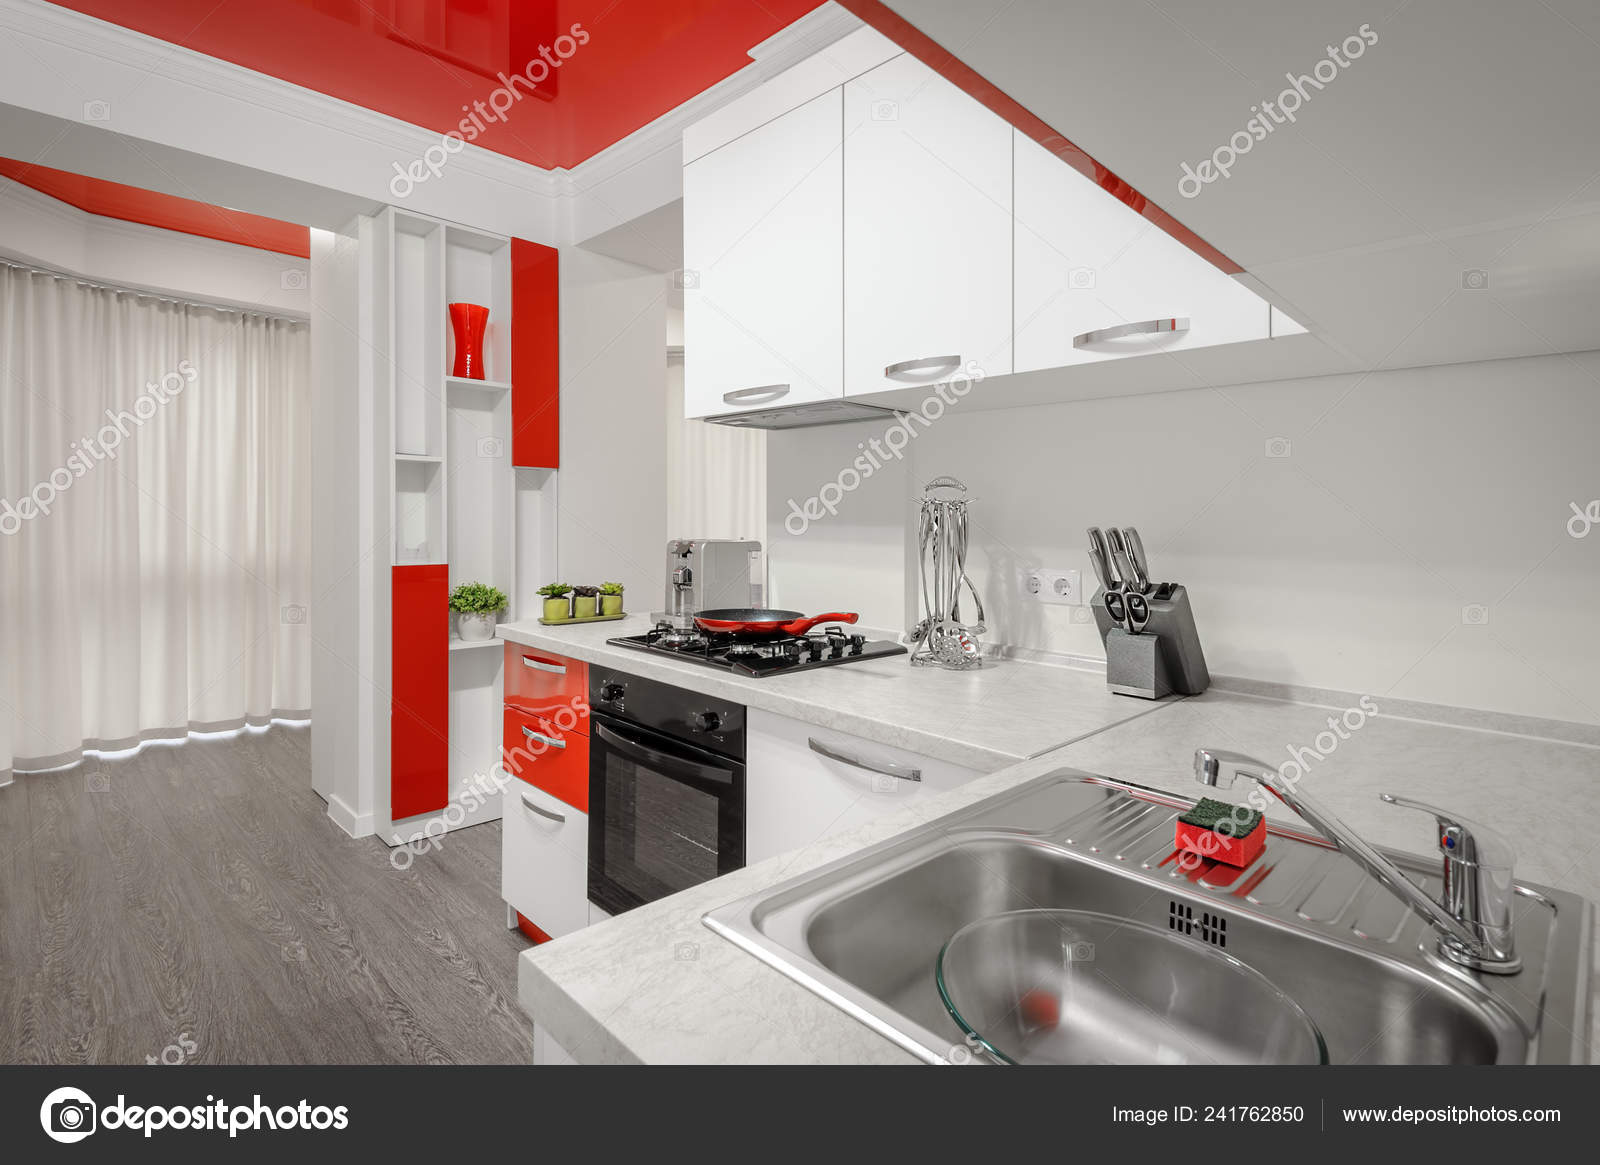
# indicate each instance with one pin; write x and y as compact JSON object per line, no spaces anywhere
{"x":666,"y":789}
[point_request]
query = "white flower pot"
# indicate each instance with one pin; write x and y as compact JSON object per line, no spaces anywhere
{"x":474,"y":627}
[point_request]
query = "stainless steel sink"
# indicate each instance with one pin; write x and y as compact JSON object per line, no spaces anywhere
{"x":865,"y":932}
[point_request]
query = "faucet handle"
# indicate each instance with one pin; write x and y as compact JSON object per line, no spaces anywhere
{"x":1461,"y":839}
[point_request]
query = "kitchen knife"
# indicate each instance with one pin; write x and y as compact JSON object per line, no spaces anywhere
{"x":1101,"y":559}
{"x":1119,"y":557}
{"x":1141,"y":564}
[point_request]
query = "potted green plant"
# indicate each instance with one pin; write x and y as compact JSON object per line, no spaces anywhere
{"x":476,"y":604}
{"x":556,"y":603}
{"x":585,"y":602}
{"x":611,"y":598}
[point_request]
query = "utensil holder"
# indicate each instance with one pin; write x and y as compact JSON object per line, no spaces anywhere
{"x":1164,"y":658}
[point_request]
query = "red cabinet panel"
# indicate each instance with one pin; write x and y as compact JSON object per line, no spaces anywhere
{"x":535,"y":356}
{"x":548,"y":686}
{"x":419,"y":711}
{"x":537,"y":751}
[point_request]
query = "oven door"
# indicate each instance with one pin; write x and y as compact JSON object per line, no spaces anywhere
{"x":663,"y":815}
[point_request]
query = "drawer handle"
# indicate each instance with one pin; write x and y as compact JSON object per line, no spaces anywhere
{"x":927,"y":368}
{"x":761,"y":394}
{"x":556,"y":669}
{"x":543,"y":739}
{"x":887,"y":768}
{"x":529,"y":803}
{"x":1141,"y":328}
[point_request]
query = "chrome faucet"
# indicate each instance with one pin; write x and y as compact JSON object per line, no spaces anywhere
{"x":1473,"y":920}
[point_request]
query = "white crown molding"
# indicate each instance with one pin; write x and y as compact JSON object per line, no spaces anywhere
{"x":73,"y":30}
{"x":807,"y":36}
{"x":125,"y":47}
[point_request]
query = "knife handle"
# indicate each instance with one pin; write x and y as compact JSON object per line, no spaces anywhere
{"x":1141,"y":564}
{"x":1101,"y":559}
{"x":1119,"y":555}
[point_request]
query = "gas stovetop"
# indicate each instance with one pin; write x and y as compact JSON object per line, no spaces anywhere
{"x":822,"y":647}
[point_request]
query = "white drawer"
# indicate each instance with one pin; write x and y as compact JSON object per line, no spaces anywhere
{"x":544,"y":860}
{"x":806,"y":783}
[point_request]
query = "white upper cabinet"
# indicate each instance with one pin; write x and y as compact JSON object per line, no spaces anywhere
{"x":1087,"y":262}
{"x":927,"y":230}
{"x":763,"y":237}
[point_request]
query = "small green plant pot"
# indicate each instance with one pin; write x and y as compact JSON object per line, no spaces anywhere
{"x":558,"y":608}
{"x":583,"y":606}
{"x":611,"y":604}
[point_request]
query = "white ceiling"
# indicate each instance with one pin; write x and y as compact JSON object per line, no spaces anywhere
{"x":1465,"y":138}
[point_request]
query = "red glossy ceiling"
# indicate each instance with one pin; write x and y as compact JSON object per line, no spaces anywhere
{"x":625,"y":63}
{"x":133,"y":204}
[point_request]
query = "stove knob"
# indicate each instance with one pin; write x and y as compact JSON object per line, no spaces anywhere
{"x":857,"y":642}
{"x":707,"y":721}
{"x":816,"y":649}
{"x":837,"y":649}
{"x":611,"y":693}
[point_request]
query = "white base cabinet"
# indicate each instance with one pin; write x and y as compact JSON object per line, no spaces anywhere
{"x":805,"y":783}
{"x":544,"y":858}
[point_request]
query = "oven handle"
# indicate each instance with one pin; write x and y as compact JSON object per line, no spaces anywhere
{"x":640,"y":752}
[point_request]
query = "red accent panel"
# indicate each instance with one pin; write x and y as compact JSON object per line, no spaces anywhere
{"x":561,"y":697}
{"x":561,"y":769}
{"x":627,"y":63}
{"x":535,"y":355}
{"x":525,"y":925}
{"x":133,"y":204}
{"x":942,"y":61}
{"x":419,"y":713}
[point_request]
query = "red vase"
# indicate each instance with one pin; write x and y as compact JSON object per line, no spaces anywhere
{"x":468,"y":321}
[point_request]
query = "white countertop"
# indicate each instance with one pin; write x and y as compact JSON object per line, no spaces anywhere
{"x":983,"y":719}
{"x":656,"y":986}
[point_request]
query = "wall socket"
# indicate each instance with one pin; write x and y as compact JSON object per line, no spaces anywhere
{"x":1047,"y":585}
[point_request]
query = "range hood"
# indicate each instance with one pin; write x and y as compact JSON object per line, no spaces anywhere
{"x":806,"y":416}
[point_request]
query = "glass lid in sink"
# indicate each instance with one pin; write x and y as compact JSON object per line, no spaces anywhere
{"x":1077,"y":987}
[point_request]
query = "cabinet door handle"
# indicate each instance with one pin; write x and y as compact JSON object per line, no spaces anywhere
{"x":550,"y":814}
{"x":1141,"y":328}
{"x":927,"y":368}
{"x":543,"y":739}
{"x":887,"y":768}
{"x":761,"y":394}
{"x":555,"y":669}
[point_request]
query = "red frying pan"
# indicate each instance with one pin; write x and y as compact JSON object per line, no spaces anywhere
{"x":755,"y":623}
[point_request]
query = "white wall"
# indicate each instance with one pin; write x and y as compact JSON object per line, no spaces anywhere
{"x":39,"y":229}
{"x":612,"y":523}
{"x":1405,"y":497}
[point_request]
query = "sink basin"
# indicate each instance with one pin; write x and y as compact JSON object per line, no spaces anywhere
{"x":866,"y":932}
{"x":1076,"y":987}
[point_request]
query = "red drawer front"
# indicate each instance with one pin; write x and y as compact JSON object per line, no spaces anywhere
{"x":535,"y":356}
{"x":526,"y":926}
{"x":549,"y":759}
{"x":549,"y":687}
{"x":419,"y":691}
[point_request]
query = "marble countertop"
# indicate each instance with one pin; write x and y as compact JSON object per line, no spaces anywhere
{"x":656,"y":986}
{"x":983,"y":719}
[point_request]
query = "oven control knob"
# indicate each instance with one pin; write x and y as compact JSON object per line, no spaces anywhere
{"x":611,"y":693}
{"x":707,"y":721}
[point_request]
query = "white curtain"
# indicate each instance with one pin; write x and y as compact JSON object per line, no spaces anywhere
{"x":154,"y":519}
{"x":716,"y":474}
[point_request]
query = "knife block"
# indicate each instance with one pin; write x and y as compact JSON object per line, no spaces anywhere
{"x":1164,"y":658}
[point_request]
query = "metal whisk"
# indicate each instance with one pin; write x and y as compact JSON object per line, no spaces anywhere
{"x":941,"y":638}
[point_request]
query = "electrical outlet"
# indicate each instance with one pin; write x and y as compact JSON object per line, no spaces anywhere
{"x":1047,"y":585}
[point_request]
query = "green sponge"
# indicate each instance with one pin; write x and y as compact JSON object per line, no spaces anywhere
{"x":1208,"y":813}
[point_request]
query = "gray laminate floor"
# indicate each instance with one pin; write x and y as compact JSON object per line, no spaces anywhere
{"x":195,"y":903}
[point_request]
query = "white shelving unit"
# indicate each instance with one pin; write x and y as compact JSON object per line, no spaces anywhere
{"x":456,"y":499}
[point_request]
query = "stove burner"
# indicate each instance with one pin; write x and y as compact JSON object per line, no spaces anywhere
{"x":820,"y":647}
